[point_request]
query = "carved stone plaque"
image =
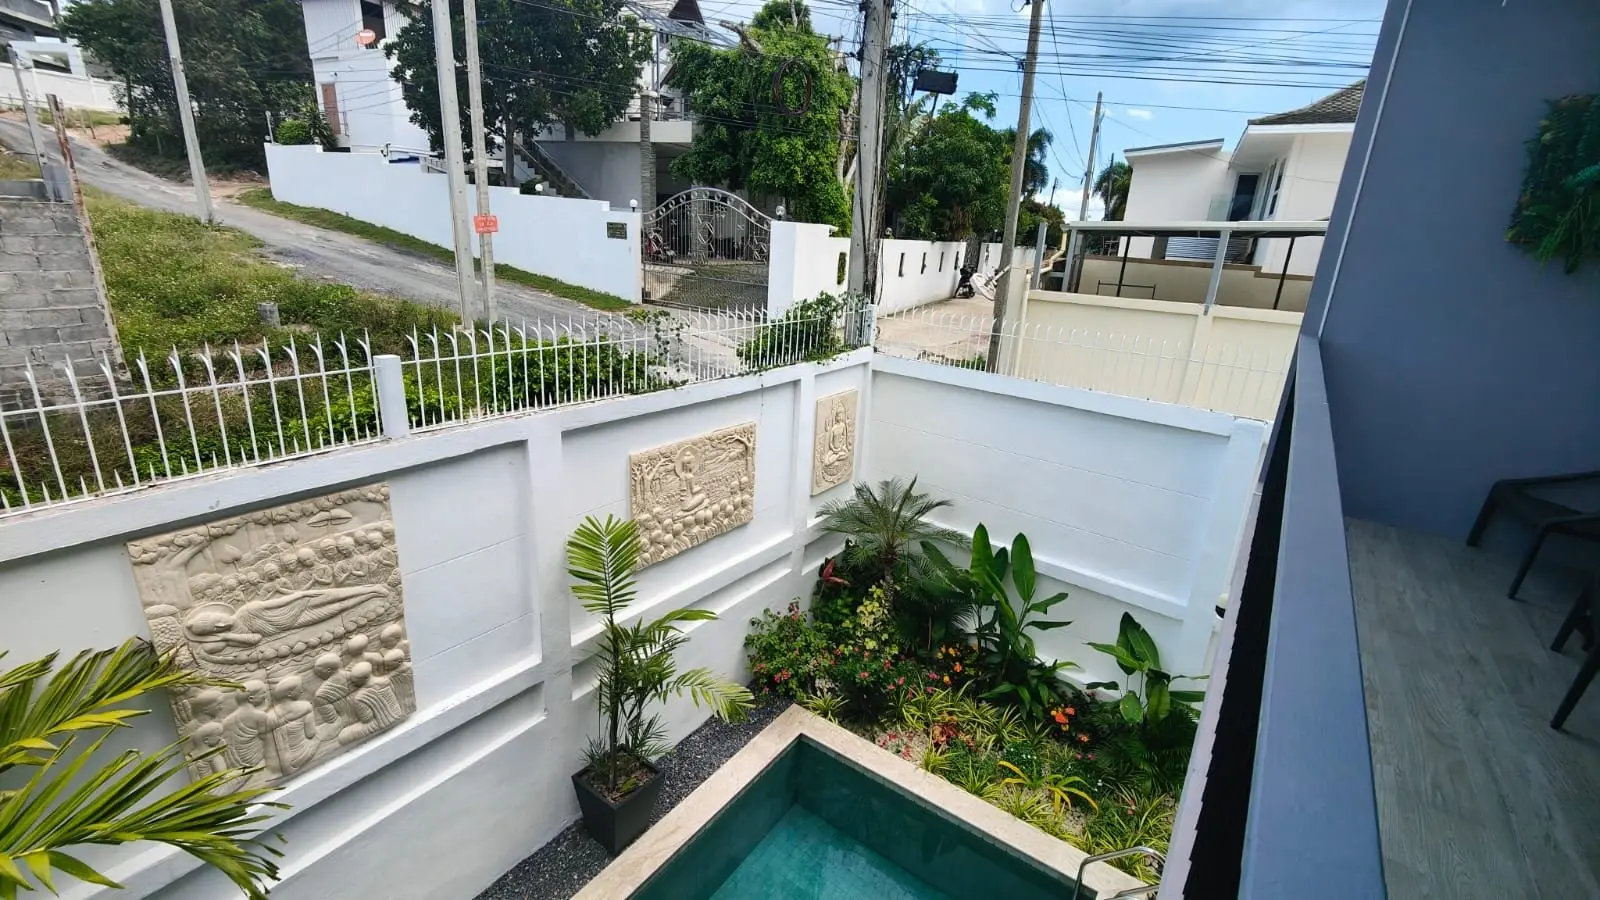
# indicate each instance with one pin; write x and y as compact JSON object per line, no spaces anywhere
{"x":833,"y":452}
{"x":687,"y":493}
{"x":298,"y":604}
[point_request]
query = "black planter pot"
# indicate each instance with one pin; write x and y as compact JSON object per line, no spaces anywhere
{"x":616,"y":825}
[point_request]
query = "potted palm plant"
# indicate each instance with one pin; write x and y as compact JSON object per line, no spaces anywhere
{"x":618,"y":785}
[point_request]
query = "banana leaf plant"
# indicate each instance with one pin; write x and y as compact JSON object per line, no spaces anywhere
{"x":1002,"y":625}
{"x":64,"y":794}
{"x":1137,"y":656}
{"x":635,"y":660}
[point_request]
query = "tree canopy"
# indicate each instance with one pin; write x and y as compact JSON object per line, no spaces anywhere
{"x":952,"y":179}
{"x":769,"y":120}
{"x":243,"y":59}
{"x":1111,"y":186}
{"x":568,"y":63}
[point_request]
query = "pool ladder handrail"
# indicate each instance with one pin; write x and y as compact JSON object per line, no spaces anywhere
{"x":1143,"y":890}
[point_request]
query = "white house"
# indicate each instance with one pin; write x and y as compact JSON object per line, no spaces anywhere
{"x":1285,"y":166}
{"x":363,"y":101}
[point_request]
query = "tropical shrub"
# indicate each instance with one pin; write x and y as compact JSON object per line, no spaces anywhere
{"x":636,"y":665}
{"x":809,"y":331}
{"x":293,"y":132}
{"x":887,"y":528}
{"x":1137,"y":656}
{"x":64,"y":792}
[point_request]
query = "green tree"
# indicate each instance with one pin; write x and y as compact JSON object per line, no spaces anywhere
{"x":770,"y":114}
{"x":61,"y":786}
{"x":243,"y":59}
{"x":1111,"y":186}
{"x":953,"y":179}
{"x":568,"y":63}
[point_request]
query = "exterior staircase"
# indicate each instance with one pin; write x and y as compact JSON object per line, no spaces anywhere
{"x":534,"y":164}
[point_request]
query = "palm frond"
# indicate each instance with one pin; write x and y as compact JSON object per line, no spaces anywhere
{"x":602,"y":556}
{"x":726,"y":699}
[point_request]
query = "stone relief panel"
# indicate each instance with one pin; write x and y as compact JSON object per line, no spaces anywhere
{"x":299,"y":605}
{"x":833,"y":452}
{"x":687,"y":493}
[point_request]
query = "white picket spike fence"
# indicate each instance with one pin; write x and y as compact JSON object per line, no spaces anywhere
{"x":123,"y":429}
{"x":1231,"y":378}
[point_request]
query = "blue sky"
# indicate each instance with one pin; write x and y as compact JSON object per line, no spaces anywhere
{"x":1157,"y":61}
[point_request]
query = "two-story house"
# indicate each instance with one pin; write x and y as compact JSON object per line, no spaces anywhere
{"x":1284,"y":166}
{"x":364,"y":104}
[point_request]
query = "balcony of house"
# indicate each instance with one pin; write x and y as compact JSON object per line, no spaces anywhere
{"x":1385,"y":724}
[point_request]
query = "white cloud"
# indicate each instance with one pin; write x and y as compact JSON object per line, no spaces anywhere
{"x":1144,"y":114}
{"x":1068,"y":200}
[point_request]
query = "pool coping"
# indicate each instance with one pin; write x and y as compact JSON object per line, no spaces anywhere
{"x":639,"y":862}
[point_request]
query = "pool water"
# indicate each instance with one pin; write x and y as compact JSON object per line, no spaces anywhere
{"x":813,"y":826}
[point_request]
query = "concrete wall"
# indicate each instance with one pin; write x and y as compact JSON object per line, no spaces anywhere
{"x":1127,"y":505}
{"x":371,"y":110}
{"x":559,"y":237}
{"x":1186,"y":281}
{"x":75,"y":91}
{"x":1453,"y":358}
{"x":912,"y":273}
{"x":478,"y":777}
{"x":609,"y":171}
{"x":805,"y":260}
{"x":51,"y":307}
{"x":1232,"y":359}
{"x":1174,"y":187}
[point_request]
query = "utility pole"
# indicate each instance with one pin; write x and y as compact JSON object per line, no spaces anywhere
{"x":864,"y":211}
{"x":480,"y":153}
{"x":1019,"y":160}
{"x":647,"y":151}
{"x":191,"y":141}
{"x":27,"y":109}
{"x":1074,"y":263}
{"x":450,"y":123}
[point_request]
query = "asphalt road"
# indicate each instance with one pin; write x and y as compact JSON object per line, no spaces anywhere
{"x":316,"y":252}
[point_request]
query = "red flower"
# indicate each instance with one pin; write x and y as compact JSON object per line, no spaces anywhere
{"x":1091,"y":756}
{"x":930,"y":690}
{"x":901,"y":681}
{"x":958,"y":667}
{"x":1071,"y":711}
{"x":863,"y":676}
{"x":1060,"y":717}
{"x":1083,"y":738}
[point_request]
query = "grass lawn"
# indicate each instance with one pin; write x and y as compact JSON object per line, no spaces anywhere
{"x":175,"y":282}
{"x":262,"y":199}
{"x":14,"y":166}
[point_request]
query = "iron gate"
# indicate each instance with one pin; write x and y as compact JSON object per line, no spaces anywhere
{"x":706,"y":249}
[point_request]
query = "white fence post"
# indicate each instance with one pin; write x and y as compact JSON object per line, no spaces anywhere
{"x":391,"y":388}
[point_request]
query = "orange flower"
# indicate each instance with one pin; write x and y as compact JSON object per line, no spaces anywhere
{"x":1071,"y":711}
{"x":1061,"y":717}
{"x":958,"y":667}
{"x":1083,"y":738}
{"x":947,"y":679}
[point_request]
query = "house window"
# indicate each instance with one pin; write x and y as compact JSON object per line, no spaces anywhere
{"x":1274,"y":189}
{"x":372,"y":20}
{"x":1266,"y":193}
{"x":330,"y":107}
{"x":1244,"y":196}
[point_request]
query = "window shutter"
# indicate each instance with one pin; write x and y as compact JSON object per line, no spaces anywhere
{"x":330,"y":107}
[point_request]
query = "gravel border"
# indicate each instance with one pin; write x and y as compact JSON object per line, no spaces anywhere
{"x":571,"y":859}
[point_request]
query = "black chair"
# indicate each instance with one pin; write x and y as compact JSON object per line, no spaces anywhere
{"x":1584,"y":618}
{"x":1524,"y":499}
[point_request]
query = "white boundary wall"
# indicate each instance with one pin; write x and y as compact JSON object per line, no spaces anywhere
{"x":806,"y":260}
{"x":75,"y":91}
{"x":555,"y":236}
{"x":1129,"y":505}
{"x":912,"y":273}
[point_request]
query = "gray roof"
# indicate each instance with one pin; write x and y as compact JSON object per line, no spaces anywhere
{"x":1338,"y":108}
{"x":1177,"y":146}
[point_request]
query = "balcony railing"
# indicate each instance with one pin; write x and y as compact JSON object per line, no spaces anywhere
{"x":1288,"y":808}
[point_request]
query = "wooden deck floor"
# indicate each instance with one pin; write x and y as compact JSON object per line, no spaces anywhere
{"x":1477,"y":796}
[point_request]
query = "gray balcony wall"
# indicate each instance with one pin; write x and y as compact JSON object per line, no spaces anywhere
{"x":1452,"y":357}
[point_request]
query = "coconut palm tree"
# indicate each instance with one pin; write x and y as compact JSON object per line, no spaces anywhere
{"x":887,"y":526}
{"x":1112,"y":188}
{"x":54,"y":722}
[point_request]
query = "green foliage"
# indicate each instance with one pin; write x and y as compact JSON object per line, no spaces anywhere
{"x":242,"y":58}
{"x":1131,"y":820}
{"x":262,"y":199}
{"x":293,"y":132}
{"x":1137,"y":655}
{"x":769,"y":121}
{"x":636,"y":669}
{"x":809,"y":331}
{"x":887,"y":527}
{"x":1111,"y":186}
{"x":1002,"y":628}
{"x":568,"y":63}
{"x":1558,"y":211}
{"x":68,"y":789}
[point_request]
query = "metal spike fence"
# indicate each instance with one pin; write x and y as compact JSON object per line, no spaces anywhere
{"x":1231,"y":378}
{"x":86,"y":429}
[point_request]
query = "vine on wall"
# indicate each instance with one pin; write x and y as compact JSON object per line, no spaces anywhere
{"x":1558,"y":213}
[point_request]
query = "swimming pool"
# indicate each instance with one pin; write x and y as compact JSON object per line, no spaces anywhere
{"x":808,"y":811}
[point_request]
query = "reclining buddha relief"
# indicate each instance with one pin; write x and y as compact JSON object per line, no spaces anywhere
{"x":300,"y":607}
{"x":687,"y":493}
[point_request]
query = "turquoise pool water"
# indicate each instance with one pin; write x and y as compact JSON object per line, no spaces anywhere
{"x":815,"y":827}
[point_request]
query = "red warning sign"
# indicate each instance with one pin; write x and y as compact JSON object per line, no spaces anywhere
{"x":486,"y":224}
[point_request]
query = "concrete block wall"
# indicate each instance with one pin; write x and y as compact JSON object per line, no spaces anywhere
{"x":51,"y":308}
